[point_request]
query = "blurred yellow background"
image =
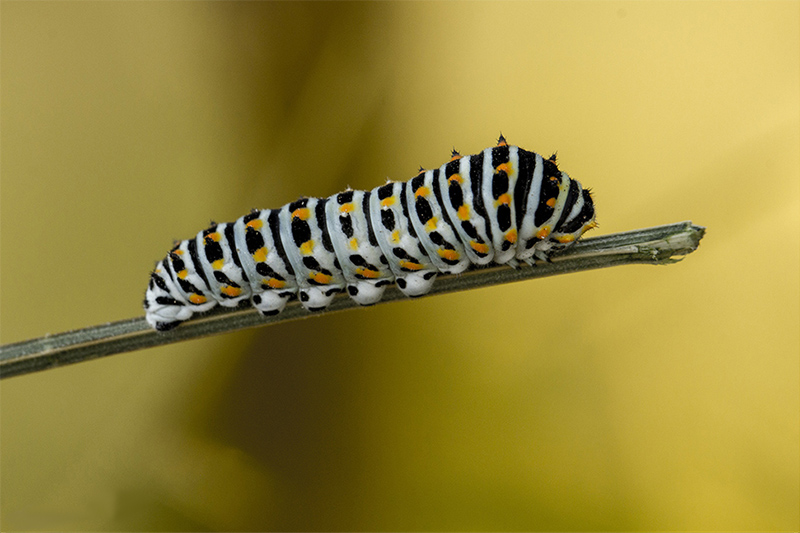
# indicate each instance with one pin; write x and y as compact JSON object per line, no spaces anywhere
{"x":636,"y":398}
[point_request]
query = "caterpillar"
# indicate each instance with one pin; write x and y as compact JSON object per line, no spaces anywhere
{"x":502,"y":205}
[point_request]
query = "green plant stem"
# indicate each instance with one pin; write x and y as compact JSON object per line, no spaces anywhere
{"x":658,"y":245}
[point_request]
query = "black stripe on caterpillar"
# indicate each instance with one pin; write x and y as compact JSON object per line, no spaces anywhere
{"x":502,"y":205}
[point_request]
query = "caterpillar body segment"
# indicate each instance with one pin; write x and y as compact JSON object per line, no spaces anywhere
{"x":432,"y":224}
{"x":308,"y":246}
{"x":501,"y":205}
{"x":363,"y":264}
{"x":463,"y":201}
{"x":270,"y":274}
{"x":407,"y":257}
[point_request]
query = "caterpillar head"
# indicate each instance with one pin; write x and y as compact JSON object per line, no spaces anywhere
{"x":580,"y":219}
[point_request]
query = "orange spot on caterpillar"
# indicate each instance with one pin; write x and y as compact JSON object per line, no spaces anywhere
{"x":256,"y":223}
{"x":450,"y":255}
{"x":198,"y":299}
{"x":543,"y":233}
{"x":307,"y":247}
{"x":386,"y":202}
{"x":409,"y":265}
{"x":367,"y":272}
{"x":320,"y":278}
{"x":177,"y":252}
{"x":504,"y":199}
{"x":261,"y":255}
{"x":430,"y":225}
{"x":504,"y":167}
{"x":303,"y":213}
{"x":346,"y":208}
{"x":218,"y":264}
{"x":463,"y":212}
{"x":354,"y":244}
{"x":551,"y":202}
{"x":422,"y":191}
{"x":566,"y":238}
{"x":233,"y":292}
{"x":479,"y":247}
{"x":183,"y":273}
{"x":511,"y":236}
{"x":395,"y":236}
{"x":276,"y":283}
{"x":213,"y":237}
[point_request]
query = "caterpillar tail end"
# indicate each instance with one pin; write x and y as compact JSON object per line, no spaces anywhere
{"x":165,"y":317}
{"x":165,"y":326}
{"x":163,"y":310}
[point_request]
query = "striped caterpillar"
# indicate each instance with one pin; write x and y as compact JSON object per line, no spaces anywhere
{"x":502,"y":205}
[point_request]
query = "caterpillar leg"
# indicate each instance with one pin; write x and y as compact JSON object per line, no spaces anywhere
{"x":317,"y":298}
{"x":271,"y":302}
{"x":539,"y":255}
{"x":367,"y":292}
{"x":542,"y":251}
{"x":416,"y":283}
